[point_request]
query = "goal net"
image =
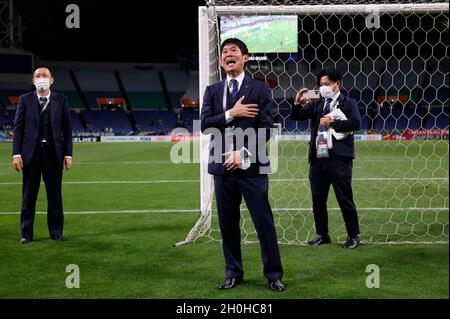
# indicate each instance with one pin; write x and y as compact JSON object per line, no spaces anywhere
{"x":394,"y":61}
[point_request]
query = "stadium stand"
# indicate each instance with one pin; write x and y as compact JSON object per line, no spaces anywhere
{"x":143,"y":89}
{"x":176,"y":84}
{"x":188,"y":115}
{"x":64,"y":85}
{"x":155,"y":122}
{"x":4,"y":119}
{"x":391,"y":95}
{"x":289,"y":125}
{"x":10,"y":92}
{"x":437,"y":118}
{"x":77,"y":127}
{"x":190,"y":102}
{"x":96,"y":84}
{"x":11,"y":114}
{"x":191,"y":96}
{"x":386,"y":119}
{"x":99,"y":121}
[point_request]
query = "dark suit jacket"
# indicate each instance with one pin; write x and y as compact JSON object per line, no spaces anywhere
{"x":313,"y":112}
{"x":213,"y":116}
{"x":26,"y":126}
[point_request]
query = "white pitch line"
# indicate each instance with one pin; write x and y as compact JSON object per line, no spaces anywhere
{"x":181,"y":181}
{"x":439,"y":242}
{"x":369,"y":209}
{"x":370,"y":179}
{"x":142,"y":211}
{"x":145,"y":211}
{"x":368,"y":242}
{"x":121,"y":182}
{"x":115,"y":163}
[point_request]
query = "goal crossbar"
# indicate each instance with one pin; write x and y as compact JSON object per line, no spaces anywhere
{"x":333,"y":9}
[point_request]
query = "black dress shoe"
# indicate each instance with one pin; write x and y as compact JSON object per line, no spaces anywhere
{"x":24,"y":241}
{"x":352,"y":243}
{"x":277,"y":285}
{"x":320,"y":240}
{"x":230,"y":283}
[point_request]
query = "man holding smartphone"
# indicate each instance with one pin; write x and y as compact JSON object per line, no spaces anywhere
{"x":330,"y":165}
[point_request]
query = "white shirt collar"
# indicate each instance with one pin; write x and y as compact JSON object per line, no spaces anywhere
{"x":335,"y":96}
{"x":333,"y":103}
{"x":47,"y":96}
{"x":239,"y":78}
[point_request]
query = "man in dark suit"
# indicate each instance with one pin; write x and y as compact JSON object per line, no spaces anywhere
{"x":239,"y":162}
{"x":42,"y":145}
{"x":331,"y":164}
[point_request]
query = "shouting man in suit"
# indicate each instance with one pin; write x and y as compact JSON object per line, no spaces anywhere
{"x":334,"y":118}
{"x":42,"y":145}
{"x":240,"y":164}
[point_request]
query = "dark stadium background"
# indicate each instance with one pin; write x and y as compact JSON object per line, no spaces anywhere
{"x":120,"y":31}
{"x":167,"y":31}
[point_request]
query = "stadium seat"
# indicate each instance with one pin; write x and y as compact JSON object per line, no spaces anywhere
{"x":157,"y":122}
{"x":366,"y":119}
{"x":437,"y":118}
{"x":10,"y":92}
{"x":4,"y":119}
{"x":176,"y":84}
{"x":143,"y":89}
{"x":97,"y":83}
{"x":98,"y":121}
{"x":77,"y":127}
{"x":192,"y":90}
{"x":188,"y":115}
{"x":64,"y":85}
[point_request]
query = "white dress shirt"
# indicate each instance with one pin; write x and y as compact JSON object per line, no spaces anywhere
{"x":333,"y":100}
{"x":240,"y":79}
{"x":243,"y":152}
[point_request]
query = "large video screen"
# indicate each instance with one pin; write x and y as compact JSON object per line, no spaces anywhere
{"x":262,"y":34}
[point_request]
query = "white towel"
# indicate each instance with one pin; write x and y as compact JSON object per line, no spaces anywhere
{"x":336,"y":114}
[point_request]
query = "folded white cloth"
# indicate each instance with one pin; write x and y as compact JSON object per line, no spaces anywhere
{"x":245,"y":157}
{"x":336,"y":114}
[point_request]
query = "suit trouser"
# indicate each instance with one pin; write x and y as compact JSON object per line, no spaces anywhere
{"x":337,"y":172}
{"x":229,"y":189}
{"x":42,"y":163}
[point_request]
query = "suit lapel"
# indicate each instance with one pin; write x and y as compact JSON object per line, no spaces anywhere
{"x":34,"y":107}
{"x":220,"y":95}
{"x":52,"y":109}
{"x":246,"y":87}
{"x":340,"y":101}
{"x":319,"y":109}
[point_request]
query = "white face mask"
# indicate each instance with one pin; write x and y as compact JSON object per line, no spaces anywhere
{"x":326,"y":91}
{"x":42,"y":84}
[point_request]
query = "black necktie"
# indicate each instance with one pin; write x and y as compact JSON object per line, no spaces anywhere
{"x":42,"y":101}
{"x":234,"y":91}
{"x":326,"y":109}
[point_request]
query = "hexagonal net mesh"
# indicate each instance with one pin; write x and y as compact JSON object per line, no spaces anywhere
{"x":394,"y":61}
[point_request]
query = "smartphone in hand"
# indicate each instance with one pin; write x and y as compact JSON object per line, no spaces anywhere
{"x":312,"y":95}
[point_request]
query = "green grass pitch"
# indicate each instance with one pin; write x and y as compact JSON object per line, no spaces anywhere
{"x":131,"y":254}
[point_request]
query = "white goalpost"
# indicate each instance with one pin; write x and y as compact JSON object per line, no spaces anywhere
{"x":394,"y":61}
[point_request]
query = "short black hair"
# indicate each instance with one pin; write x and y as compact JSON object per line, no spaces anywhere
{"x":333,"y":74}
{"x":242,"y":46}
